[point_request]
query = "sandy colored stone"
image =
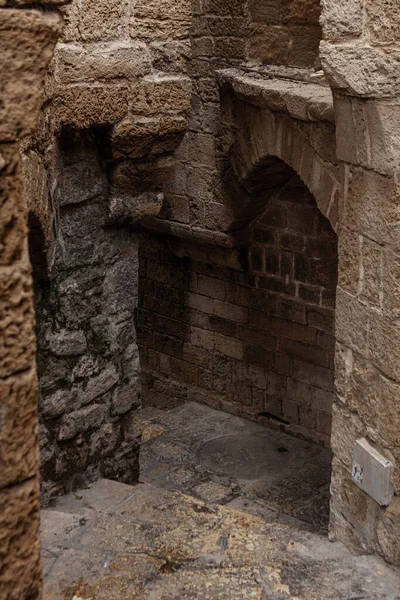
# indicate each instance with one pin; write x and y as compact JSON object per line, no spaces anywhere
{"x":12,"y":208}
{"x":17,"y":345}
{"x":83,"y":106}
{"x":76,"y":64}
{"x":20,"y":575}
{"x":382,"y":21}
{"x":19,"y":457}
{"x":145,"y":137}
{"x":27,"y":42}
{"x":341,"y":20}
{"x":154,"y":95}
{"x":353,"y":69}
{"x":94,"y":20}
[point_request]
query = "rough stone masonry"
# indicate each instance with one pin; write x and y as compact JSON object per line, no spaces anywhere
{"x":138,"y":120}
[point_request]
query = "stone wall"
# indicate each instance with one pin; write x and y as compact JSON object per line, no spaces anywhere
{"x":284,"y":32}
{"x":117,"y":97}
{"x":27,"y":39}
{"x":249,"y":331}
{"x":87,"y":354}
{"x":224,"y":34}
{"x":360,"y":56}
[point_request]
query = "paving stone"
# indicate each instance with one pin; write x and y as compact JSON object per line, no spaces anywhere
{"x":202,"y":448}
{"x":167,"y":545}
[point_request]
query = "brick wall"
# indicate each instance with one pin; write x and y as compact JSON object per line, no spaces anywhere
{"x":251,"y":337}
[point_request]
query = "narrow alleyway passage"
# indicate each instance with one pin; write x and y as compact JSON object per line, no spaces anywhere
{"x":226,"y":509}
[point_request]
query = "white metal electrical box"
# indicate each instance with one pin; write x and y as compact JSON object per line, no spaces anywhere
{"x":372,"y":472}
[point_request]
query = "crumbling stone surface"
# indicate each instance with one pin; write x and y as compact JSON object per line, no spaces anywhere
{"x":87,"y":353}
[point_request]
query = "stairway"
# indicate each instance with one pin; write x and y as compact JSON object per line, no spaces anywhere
{"x":112,"y":541}
{"x":158,"y":541}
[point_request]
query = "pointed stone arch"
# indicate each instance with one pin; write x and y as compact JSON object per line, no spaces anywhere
{"x":270,"y":146}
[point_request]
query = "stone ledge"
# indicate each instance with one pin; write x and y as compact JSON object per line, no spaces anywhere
{"x":284,"y":90}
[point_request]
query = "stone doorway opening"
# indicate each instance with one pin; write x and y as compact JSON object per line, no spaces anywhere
{"x":247,"y":331}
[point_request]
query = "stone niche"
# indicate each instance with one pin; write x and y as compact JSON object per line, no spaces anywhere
{"x":248,"y":330}
{"x":85,"y":297}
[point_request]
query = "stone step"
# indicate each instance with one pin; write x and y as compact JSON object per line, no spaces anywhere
{"x":112,"y":541}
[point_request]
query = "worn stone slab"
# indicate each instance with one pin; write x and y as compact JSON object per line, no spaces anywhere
{"x":300,"y":99}
{"x":166,"y":545}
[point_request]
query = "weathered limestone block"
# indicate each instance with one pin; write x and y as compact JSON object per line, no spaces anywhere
{"x":20,"y":574}
{"x":384,"y":339}
{"x":351,"y":320}
{"x":387,"y":533}
{"x":372,"y":205}
{"x":132,"y":209}
{"x":94,"y":20}
{"x":17,"y":336}
{"x":366,"y":133}
{"x":303,"y":12}
{"x":19,"y":457}
{"x":12,"y":208}
{"x":341,"y":20}
{"x":36,"y":193}
{"x":83,"y":106}
{"x":157,"y":94}
{"x":349,"y":260}
{"x":100,"y":62}
{"x":146,"y":137}
{"x":139,"y":177}
{"x":27,"y":40}
{"x":346,"y":428}
{"x":391,"y":283}
{"x":269,"y":44}
{"x":353,"y":69}
{"x":163,"y":9}
{"x":382,"y":21}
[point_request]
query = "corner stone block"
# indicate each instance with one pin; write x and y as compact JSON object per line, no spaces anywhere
{"x":27,"y":40}
{"x":372,"y":206}
{"x":353,"y":69}
{"x":347,"y":427}
{"x":341,"y":20}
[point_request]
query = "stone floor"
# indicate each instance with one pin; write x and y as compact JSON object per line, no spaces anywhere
{"x":151,"y":541}
{"x":227,"y":460}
